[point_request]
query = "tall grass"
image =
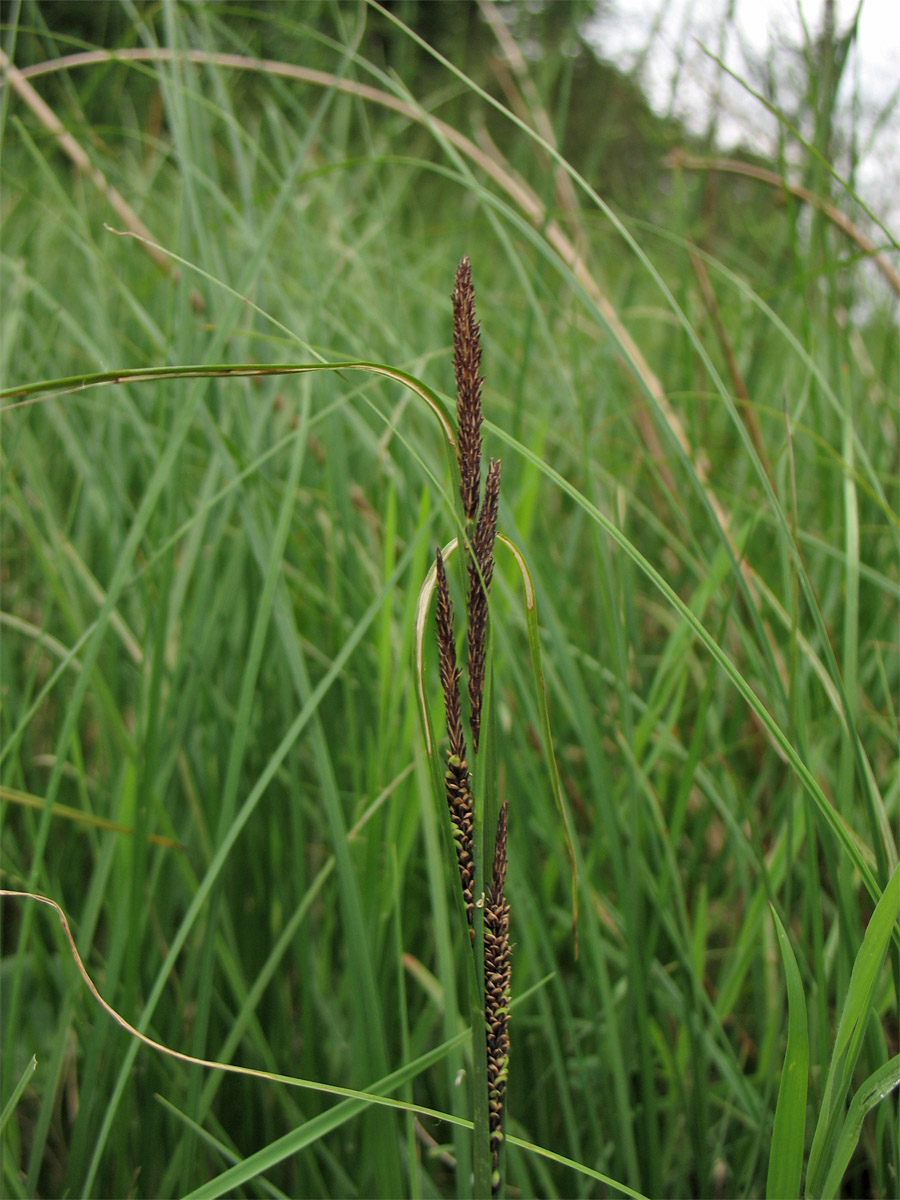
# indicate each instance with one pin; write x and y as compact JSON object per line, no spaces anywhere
{"x":209,"y":617}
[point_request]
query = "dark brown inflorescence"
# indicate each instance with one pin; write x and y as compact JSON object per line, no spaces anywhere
{"x":466,"y":363}
{"x":456,"y":778}
{"x":481,"y":518}
{"x":481,"y":571}
{"x":497,"y":977}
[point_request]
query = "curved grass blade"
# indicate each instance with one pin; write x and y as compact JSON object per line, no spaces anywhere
{"x":216,"y":1145}
{"x":879,"y":1085}
{"x":786,"y":1156}
{"x":33,"y":392}
{"x":354,"y":1100}
{"x":551,"y":1155}
{"x":851,"y":1030}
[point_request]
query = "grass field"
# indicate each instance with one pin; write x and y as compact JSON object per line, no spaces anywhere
{"x":212,"y":753}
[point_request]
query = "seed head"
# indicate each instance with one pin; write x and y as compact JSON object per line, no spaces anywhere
{"x":456,"y":778}
{"x":497,"y":976}
{"x":466,"y":364}
{"x":481,"y":571}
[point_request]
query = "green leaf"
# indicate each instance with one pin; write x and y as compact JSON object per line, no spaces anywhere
{"x":851,"y":1029}
{"x":317,"y":1127}
{"x":10,"y":1106}
{"x":73,"y":383}
{"x":879,"y":1084}
{"x":786,"y":1156}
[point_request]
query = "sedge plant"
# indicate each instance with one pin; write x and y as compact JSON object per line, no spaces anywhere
{"x":490,"y":937}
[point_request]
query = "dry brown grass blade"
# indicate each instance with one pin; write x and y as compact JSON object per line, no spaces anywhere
{"x":210,"y":1064}
{"x":679,"y":159}
{"x":525,"y":98}
{"x":310,"y":1085}
{"x":67,"y":813}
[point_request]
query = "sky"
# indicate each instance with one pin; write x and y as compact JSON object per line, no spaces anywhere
{"x":672,"y":29}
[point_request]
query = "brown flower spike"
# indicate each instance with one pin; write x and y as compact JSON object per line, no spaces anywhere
{"x":481,"y":518}
{"x":497,"y":975}
{"x":456,"y":779}
{"x":481,"y":571}
{"x":466,"y":362}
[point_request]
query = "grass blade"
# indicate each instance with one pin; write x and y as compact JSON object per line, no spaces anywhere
{"x":879,"y":1085}
{"x":851,"y":1030}
{"x":786,"y":1155}
{"x":10,"y":1106}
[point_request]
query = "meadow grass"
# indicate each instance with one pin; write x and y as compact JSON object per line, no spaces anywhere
{"x":209,"y":621}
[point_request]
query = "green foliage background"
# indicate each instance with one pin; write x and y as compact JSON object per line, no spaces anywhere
{"x":209,"y":591}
